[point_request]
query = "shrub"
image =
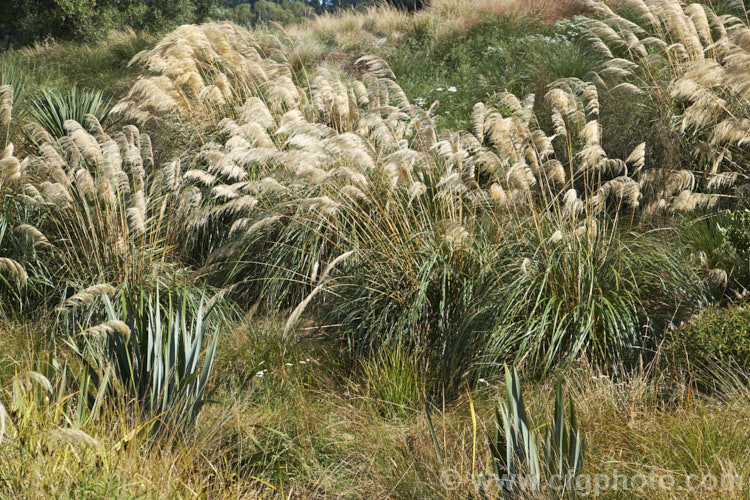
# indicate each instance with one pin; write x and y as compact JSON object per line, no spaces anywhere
{"x":281,"y":12}
{"x":716,"y":335}
{"x":29,"y":21}
{"x":242,"y":14}
{"x":719,"y":246}
{"x":736,"y":230}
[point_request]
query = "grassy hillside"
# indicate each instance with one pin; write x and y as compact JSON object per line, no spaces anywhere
{"x":434,"y":255}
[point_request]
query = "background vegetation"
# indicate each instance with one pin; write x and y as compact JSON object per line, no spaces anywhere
{"x":384,"y":251}
{"x":32,"y":21}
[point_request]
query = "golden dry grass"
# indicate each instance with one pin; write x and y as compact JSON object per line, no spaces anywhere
{"x":303,"y":430}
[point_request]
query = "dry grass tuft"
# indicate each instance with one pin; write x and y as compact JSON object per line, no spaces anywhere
{"x":13,"y":270}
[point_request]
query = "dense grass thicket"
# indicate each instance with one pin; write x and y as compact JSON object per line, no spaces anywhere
{"x":381,"y":253}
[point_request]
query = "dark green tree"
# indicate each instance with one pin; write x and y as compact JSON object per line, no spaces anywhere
{"x":86,"y":20}
{"x":408,"y":4}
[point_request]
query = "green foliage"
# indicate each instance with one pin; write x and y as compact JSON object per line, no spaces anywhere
{"x":60,"y":66}
{"x":716,"y":335}
{"x":284,"y":12}
{"x":88,"y":20}
{"x":735,"y":228}
{"x":393,"y":381}
{"x":563,"y":444}
{"x":247,"y":13}
{"x":719,"y":243}
{"x":23,"y":293}
{"x":242,"y":14}
{"x":52,"y":108}
{"x":522,"y":460}
{"x":417,"y":284}
{"x":153,"y":354}
{"x":33,"y":20}
{"x":502,"y":53}
{"x":13,"y":73}
{"x":592,"y":293}
{"x":517,"y":450}
{"x":407,"y":4}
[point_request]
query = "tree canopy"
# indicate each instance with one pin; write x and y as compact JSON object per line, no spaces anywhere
{"x":85,"y":20}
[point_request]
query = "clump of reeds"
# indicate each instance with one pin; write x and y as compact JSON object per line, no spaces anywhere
{"x":111,"y":214}
{"x":313,"y":170}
